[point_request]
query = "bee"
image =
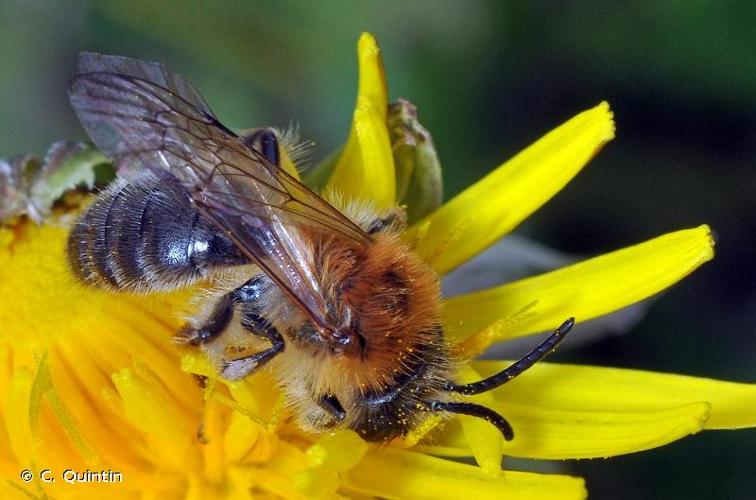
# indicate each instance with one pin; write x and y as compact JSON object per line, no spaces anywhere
{"x":344,"y":312}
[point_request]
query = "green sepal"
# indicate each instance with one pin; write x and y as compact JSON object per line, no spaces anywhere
{"x":419,"y":182}
{"x":317,"y":176}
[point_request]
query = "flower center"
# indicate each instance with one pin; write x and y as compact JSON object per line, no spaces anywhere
{"x":42,"y":301}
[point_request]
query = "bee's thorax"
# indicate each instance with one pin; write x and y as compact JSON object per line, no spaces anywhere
{"x":388,"y":353}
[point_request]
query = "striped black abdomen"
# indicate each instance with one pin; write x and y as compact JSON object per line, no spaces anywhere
{"x":145,"y":235}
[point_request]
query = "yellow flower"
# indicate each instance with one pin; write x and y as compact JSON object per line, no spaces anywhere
{"x":89,"y":380}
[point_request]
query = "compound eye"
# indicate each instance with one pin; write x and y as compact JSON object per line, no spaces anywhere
{"x":264,"y":141}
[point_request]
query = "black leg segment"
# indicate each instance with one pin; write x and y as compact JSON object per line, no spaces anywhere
{"x":237,"y":369}
{"x":223,"y":311}
{"x":246,"y":298}
{"x":216,"y":323}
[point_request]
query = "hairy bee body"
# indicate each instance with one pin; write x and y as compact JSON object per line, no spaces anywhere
{"x":325,"y":294}
{"x":374,"y":386}
{"x":144,"y":235}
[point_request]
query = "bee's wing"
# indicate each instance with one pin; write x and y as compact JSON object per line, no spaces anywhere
{"x":180,"y":91}
{"x":144,"y":117}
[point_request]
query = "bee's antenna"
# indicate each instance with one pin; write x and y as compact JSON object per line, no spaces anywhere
{"x":474,"y":410}
{"x":504,"y":376}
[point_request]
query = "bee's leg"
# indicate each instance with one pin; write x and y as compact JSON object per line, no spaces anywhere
{"x":216,"y":323}
{"x":245,"y":297}
{"x":223,"y":311}
{"x":332,"y":405}
{"x":237,"y":369}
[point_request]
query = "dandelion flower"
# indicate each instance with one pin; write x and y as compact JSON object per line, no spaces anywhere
{"x":90,"y":381}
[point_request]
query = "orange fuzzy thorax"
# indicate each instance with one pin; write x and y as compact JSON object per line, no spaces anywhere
{"x":393,"y":300}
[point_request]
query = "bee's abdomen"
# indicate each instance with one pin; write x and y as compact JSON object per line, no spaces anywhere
{"x":145,"y":235}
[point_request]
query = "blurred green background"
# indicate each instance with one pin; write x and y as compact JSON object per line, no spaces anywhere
{"x":488,"y":78}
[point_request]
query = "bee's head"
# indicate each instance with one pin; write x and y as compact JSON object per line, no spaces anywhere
{"x":397,"y":407}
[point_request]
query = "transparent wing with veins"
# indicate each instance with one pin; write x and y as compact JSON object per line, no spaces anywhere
{"x":144,"y":117}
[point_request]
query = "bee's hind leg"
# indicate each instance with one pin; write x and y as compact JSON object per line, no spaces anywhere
{"x":237,"y":369}
{"x":246,"y":298}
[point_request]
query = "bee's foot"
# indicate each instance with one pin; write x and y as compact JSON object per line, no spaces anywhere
{"x":238,"y":369}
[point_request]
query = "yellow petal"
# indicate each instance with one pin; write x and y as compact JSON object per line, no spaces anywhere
{"x":339,"y":451}
{"x":288,"y":165}
{"x":239,"y":484}
{"x":333,"y":453}
{"x":17,"y":402}
{"x":486,"y":211}
{"x":566,"y":387}
{"x":484,"y":439}
{"x":372,"y":78}
{"x":365,"y":169}
{"x":585,"y":290}
{"x":391,"y":473}
{"x":242,"y":436}
{"x":568,"y":411}
{"x":279,"y":476}
{"x":166,"y":430}
{"x":213,"y":449}
{"x":44,"y":384}
{"x":561,"y":434}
